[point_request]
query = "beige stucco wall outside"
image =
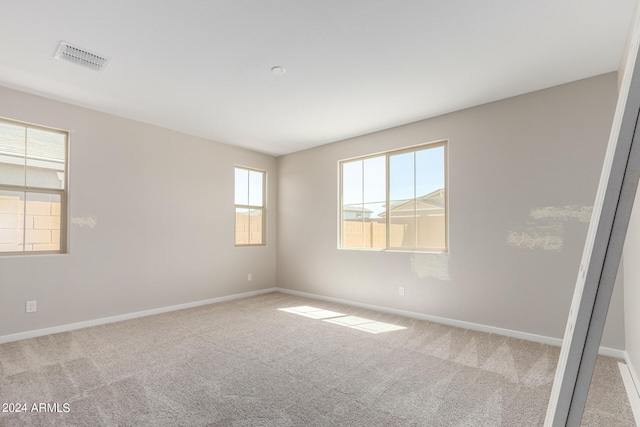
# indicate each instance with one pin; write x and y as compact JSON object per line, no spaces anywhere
{"x":40,"y":232}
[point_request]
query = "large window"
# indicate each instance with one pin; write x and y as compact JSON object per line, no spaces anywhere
{"x":250,"y":206}
{"x":395,"y":200}
{"x":33,"y":188}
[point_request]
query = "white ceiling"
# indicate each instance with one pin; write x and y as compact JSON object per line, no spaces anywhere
{"x":353,"y":66}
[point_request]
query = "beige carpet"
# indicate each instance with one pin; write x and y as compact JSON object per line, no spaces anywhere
{"x":247,"y":363}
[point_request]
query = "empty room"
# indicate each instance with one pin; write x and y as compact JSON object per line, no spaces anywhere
{"x":308,"y":213}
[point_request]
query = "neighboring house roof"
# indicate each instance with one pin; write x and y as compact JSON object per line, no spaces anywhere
{"x":429,"y":204}
{"x":359,"y":209}
{"x":42,"y":146}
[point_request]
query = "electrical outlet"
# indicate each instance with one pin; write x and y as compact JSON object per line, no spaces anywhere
{"x":401,"y":291}
{"x":30,"y":307}
{"x":249,"y":277}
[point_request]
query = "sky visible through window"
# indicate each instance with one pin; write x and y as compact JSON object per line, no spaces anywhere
{"x":248,"y":187}
{"x":364,"y":180}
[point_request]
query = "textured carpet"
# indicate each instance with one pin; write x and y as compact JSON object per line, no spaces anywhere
{"x":248,"y":363}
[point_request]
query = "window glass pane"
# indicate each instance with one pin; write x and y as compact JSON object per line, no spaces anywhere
{"x":402,"y":203}
{"x":352,"y":212}
{"x":401,"y":177}
{"x":249,"y":192}
{"x":429,"y":170}
{"x":242,"y":186}
{"x":12,"y":154}
{"x":255,"y":188}
{"x":375,"y":225}
{"x":30,"y":220}
{"x":11,"y":221}
{"x":364,"y":225}
{"x":45,"y":158}
{"x":431,"y":230}
{"x":430,"y":210}
{"x":242,"y":226}
{"x":395,"y":200}
{"x":375,"y":186}
{"x":402,"y":231}
{"x":255,"y":226}
{"x":375,"y":211}
{"x":352,"y":182}
{"x":42,"y":222}
{"x":352,"y":226}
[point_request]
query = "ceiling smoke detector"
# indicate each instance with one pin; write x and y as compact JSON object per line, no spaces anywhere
{"x":81,"y":57}
{"x":278,"y":70}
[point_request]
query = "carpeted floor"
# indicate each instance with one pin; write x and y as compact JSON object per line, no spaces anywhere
{"x":247,"y":363}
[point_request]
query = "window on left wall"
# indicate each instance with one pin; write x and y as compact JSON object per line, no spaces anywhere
{"x":33,"y":188}
{"x":250,"y":186}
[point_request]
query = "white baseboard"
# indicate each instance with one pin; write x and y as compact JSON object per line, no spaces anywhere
{"x":632,"y":370}
{"x":620,"y":354}
{"x":605,"y":351}
{"x":73,"y":326}
{"x":611,"y":352}
{"x":630,"y":380}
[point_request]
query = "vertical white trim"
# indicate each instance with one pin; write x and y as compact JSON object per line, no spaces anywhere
{"x":632,"y":391}
{"x":602,"y":250}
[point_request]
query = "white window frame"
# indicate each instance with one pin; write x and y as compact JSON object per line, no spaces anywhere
{"x":27,"y":189}
{"x":262,"y":208}
{"x":387,"y":155}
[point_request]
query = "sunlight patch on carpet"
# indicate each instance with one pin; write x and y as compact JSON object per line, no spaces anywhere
{"x":354,"y":322}
{"x":312,"y":312}
{"x":366,"y":325}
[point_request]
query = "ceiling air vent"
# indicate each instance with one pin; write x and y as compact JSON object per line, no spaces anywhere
{"x":81,"y":57}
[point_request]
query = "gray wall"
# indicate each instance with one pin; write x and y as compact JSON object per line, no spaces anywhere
{"x":162,"y":203}
{"x":522,"y":174}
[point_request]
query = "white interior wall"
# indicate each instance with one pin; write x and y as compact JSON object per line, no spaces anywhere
{"x":162,"y":203}
{"x":164,"y":227}
{"x":521,"y":173}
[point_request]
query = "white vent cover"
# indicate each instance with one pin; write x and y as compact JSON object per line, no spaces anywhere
{"x":84,"y":58}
